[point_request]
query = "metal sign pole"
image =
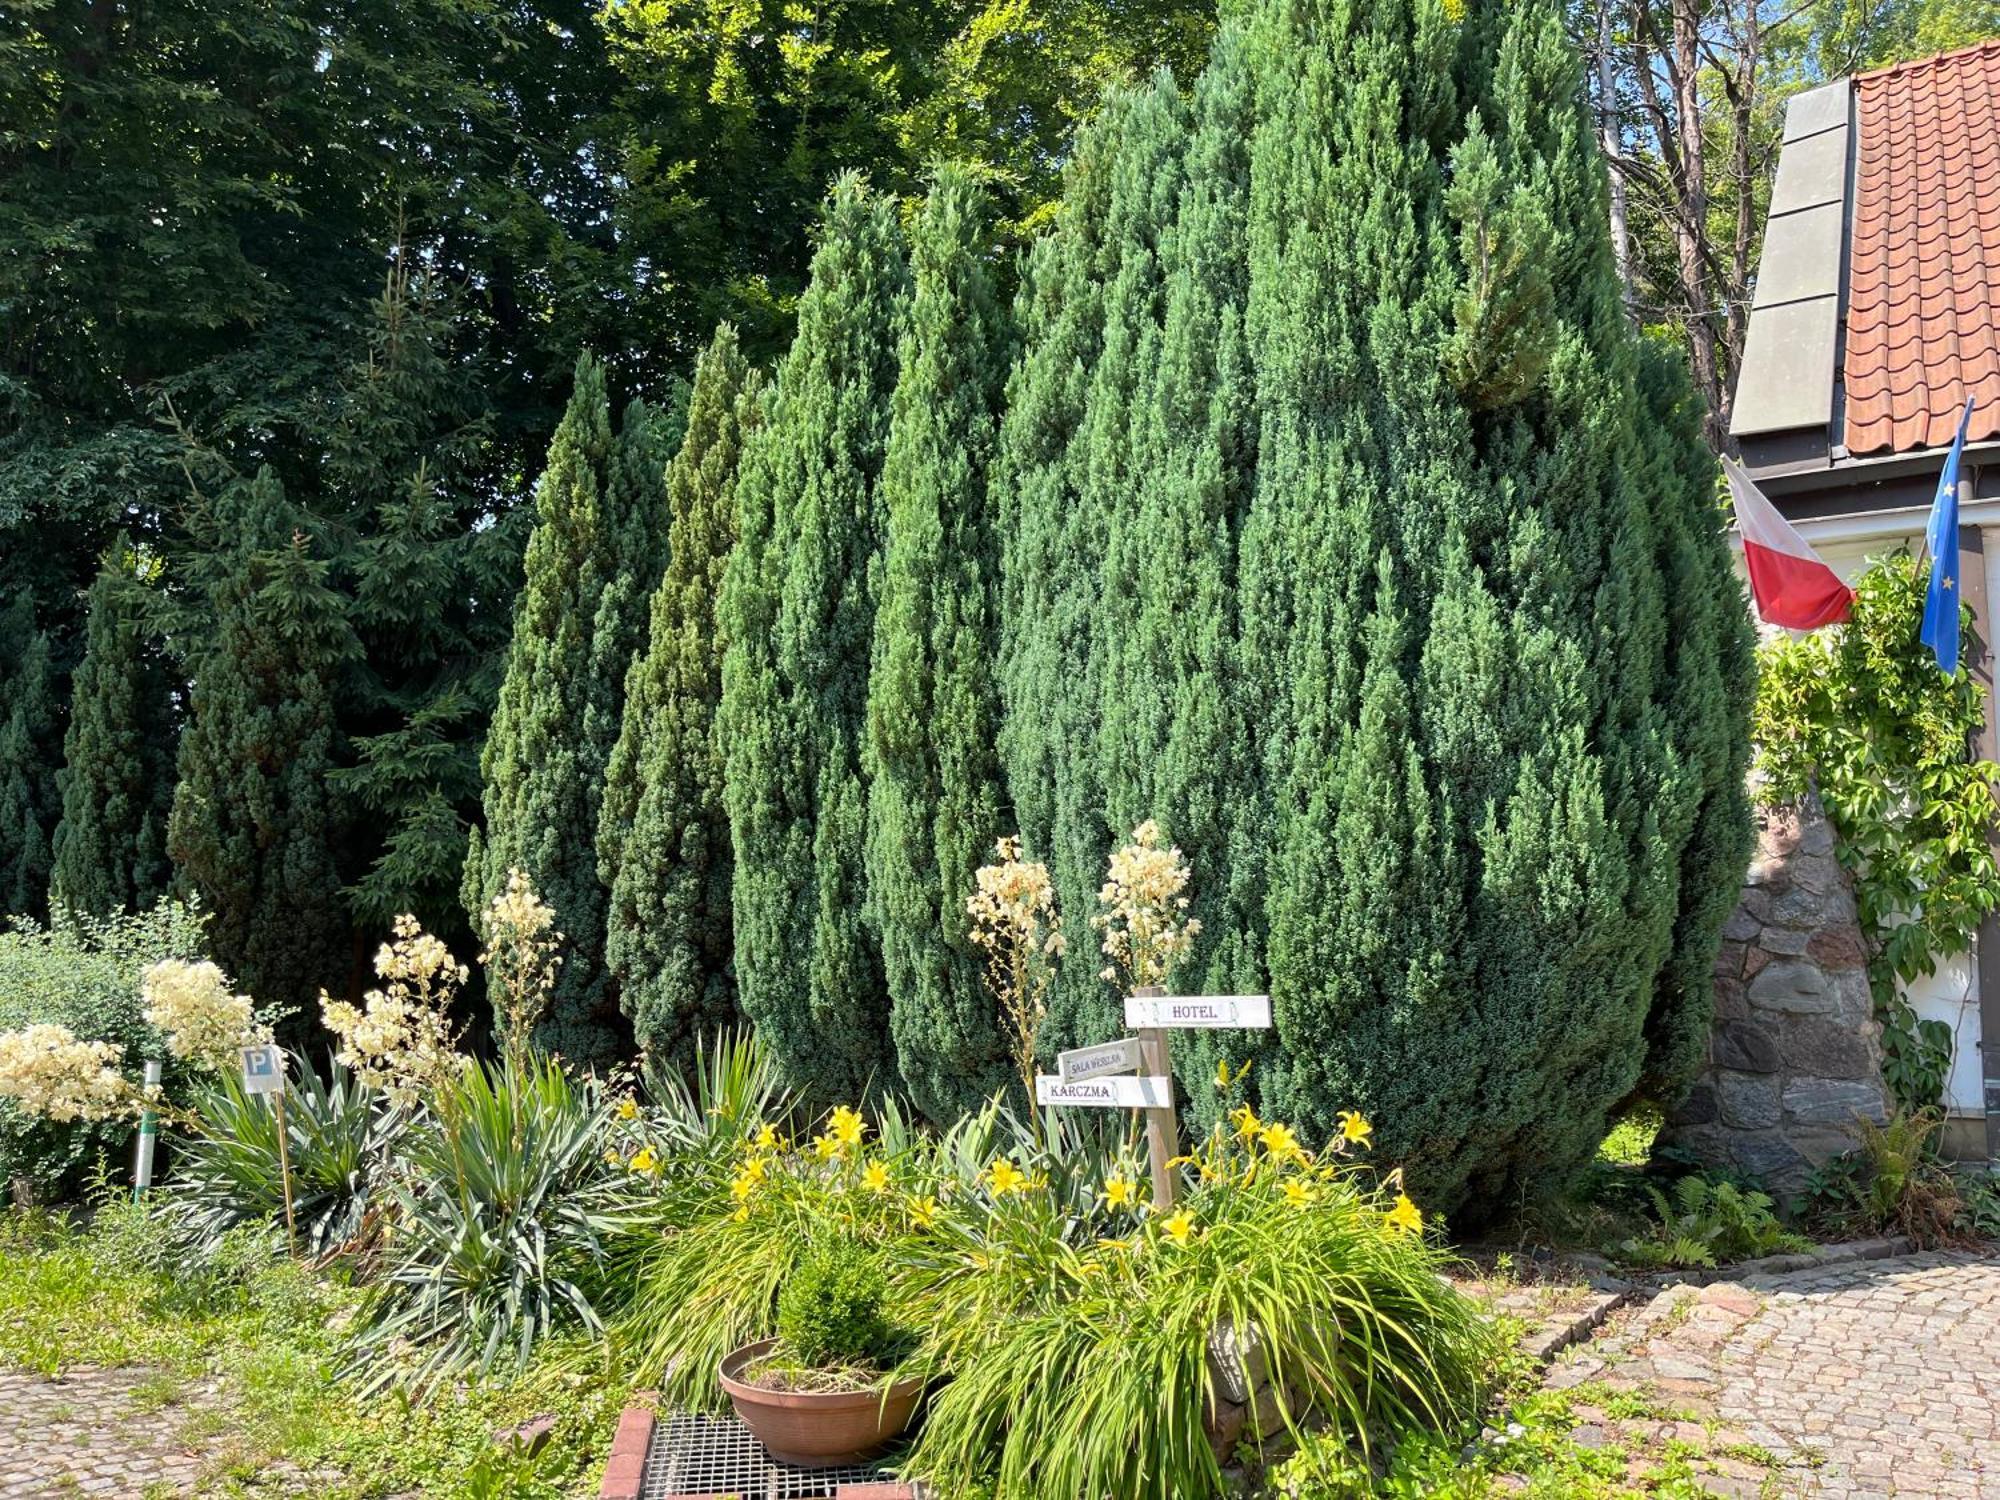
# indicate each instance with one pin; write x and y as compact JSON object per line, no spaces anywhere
{"x":149,"y":1135}
{"x":1163,"y":1136}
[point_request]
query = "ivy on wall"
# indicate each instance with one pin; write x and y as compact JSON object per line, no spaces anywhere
{"x":1863,"y":716}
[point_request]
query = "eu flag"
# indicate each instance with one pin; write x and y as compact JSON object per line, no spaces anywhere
{"x":1940,"y":631}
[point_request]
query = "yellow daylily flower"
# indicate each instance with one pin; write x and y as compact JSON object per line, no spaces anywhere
{"x":1280,"y":1142}
{"x":846,"y":1126}
{"x":923,"y":1212}
{"x":1297,"y":1194}
{"x":768,"y":1139}
{"x":1120,"y":1192}
{"x":1405,"y":1215}
{"x":644,"y":1160}
{"x":1244,"y":1118}
{"x":612,"y":1157}
{"x":741,"y":1187}
{"x":825,"y":1147}
{"x":1004,"y":1178}
{"x":1354,"y":1129}
{"x":1179,"y":1227}
{"x":753,"y":1169}
{"x":876,"y":1178}
{"x":628,"y":1109}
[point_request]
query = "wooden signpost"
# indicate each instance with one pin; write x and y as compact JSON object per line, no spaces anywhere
{"x":1102,"y":1077}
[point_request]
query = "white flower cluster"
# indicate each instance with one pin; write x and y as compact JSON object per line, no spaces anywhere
{"x":191,"y":1005}
{"x":48,"y":1073}
{"x":1146,"y":931}
{"x":1015,"y":922}
{"x":400,"y":1039}
{"x":520,"y":956}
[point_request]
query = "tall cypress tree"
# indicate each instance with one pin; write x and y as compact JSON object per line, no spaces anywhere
{"x":1411,"y":610}
{"x":934,"y":795}
{"x":798,"y":614}
{"x":663,"y":834}
{"x":29,"y":728}
{"x":1089,"y":310}
{"x":557,"y":718}
{"x":118,"y":756}
{"x":254,"y":817}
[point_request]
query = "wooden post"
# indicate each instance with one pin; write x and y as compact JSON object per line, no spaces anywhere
{"x":285,"y":1172}
{"x":1163,"y":1133}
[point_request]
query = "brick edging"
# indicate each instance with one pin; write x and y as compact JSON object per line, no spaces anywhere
{"x":625,"y":1469}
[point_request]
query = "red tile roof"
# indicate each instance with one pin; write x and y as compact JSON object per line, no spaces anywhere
{"x":1923,"y":302}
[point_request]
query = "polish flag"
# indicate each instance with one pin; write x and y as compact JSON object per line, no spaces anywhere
{"x":1793,"y":588}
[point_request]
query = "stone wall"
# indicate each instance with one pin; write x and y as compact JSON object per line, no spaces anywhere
{"x":1794,"y":1055}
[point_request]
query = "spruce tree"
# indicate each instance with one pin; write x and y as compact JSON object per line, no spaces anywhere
{"x":117,"y":781}
{"x":798,"y":615}
{"x":557,"y":719}
{"x":29,"y":736}
{"x":933,"y":793}
{"x":254,"y":817}
{"x":663,"y":834}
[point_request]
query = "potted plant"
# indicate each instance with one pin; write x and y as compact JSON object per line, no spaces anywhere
{"x":824,"y":1391}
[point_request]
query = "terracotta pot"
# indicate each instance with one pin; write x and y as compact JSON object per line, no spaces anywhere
{"x":818,"y":1429}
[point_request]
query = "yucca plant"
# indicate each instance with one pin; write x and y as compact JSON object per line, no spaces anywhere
{"x":227,"y":1171}
{"x":495,"y":1243}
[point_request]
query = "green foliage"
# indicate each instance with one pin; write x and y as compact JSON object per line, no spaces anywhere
{"x":797,"y":612}
{"x":83,"y":974}
{"x":597,"y":532}
{"x":117,"y":781}
{"x":29,"y":730}
{"x":1710,"y":1222}
{"x":226,"y":1171}
{"x":663,"y":834}
{"x":1349,"y":532}
{"x":1979,"y":1197}
{"x":495,"y":1242}
{"x":260,"y":1336}
{"x":254,"y":819}
{"x":1893,"y":1183}
{"x":830,"y":1308}
{"x":1862,"y":717}
{"x":934,"y":785}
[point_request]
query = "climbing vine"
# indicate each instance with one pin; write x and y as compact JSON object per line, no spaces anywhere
{"x":1862,"y":716}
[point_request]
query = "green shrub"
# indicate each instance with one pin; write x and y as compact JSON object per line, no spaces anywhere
{"x":226,"y":1172}
{"x":83,"y":974}
{"x":1979,"y":1202}
{"x":1708,"y":1223}
{"x":1892,"y":1183}
{"x":494,"y":1243}
{"x":830,"y":1307}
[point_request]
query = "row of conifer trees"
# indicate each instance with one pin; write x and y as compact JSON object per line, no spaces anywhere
{"x":1304,"y":488}
{"x":1312,"y":496}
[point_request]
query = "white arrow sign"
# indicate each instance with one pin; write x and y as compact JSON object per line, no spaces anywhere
{"x":1211,"y":1012}
{"x":1094,"y":1062}
{"x":1106,"y":1093}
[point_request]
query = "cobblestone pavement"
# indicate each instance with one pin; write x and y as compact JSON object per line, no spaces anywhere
{"x":1861,"y":1381}
{"x":113,"y":1433}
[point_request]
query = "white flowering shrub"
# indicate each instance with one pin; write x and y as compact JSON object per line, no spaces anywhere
{"x":191,"y":1006}
{"x":401,"y":1039}
{"x":1014,"y":922}
{"x":47,"y":1072}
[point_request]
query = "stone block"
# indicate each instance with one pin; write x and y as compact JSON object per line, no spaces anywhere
{"x":1729,"y":957}
{"x":1827,"y":1049}
{"x":1784,"y":942}
{"x":1745,"y":1047}
{"x":1732,"y":1000}
{"x":1743,"y":925}
{"x":1768,"y":874}
{"x":1853,"y":1004}
{"x":1791,"y":985}
{"x":1747,"y":1101}
{"x":1800,"y":907}
{"x":1222,"y":1423}
{"x":1837,"y":948}
{"x":1819,"y":874}
{"x":1821,"y":1144}
{"x":1698,"y":1108}
{"x":1816,"y":836}
{"x":1832,"y":1101}
{"x":1768,"y":1156}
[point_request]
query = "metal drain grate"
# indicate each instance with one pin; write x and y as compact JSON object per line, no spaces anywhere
{"x":693,"y":1455}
